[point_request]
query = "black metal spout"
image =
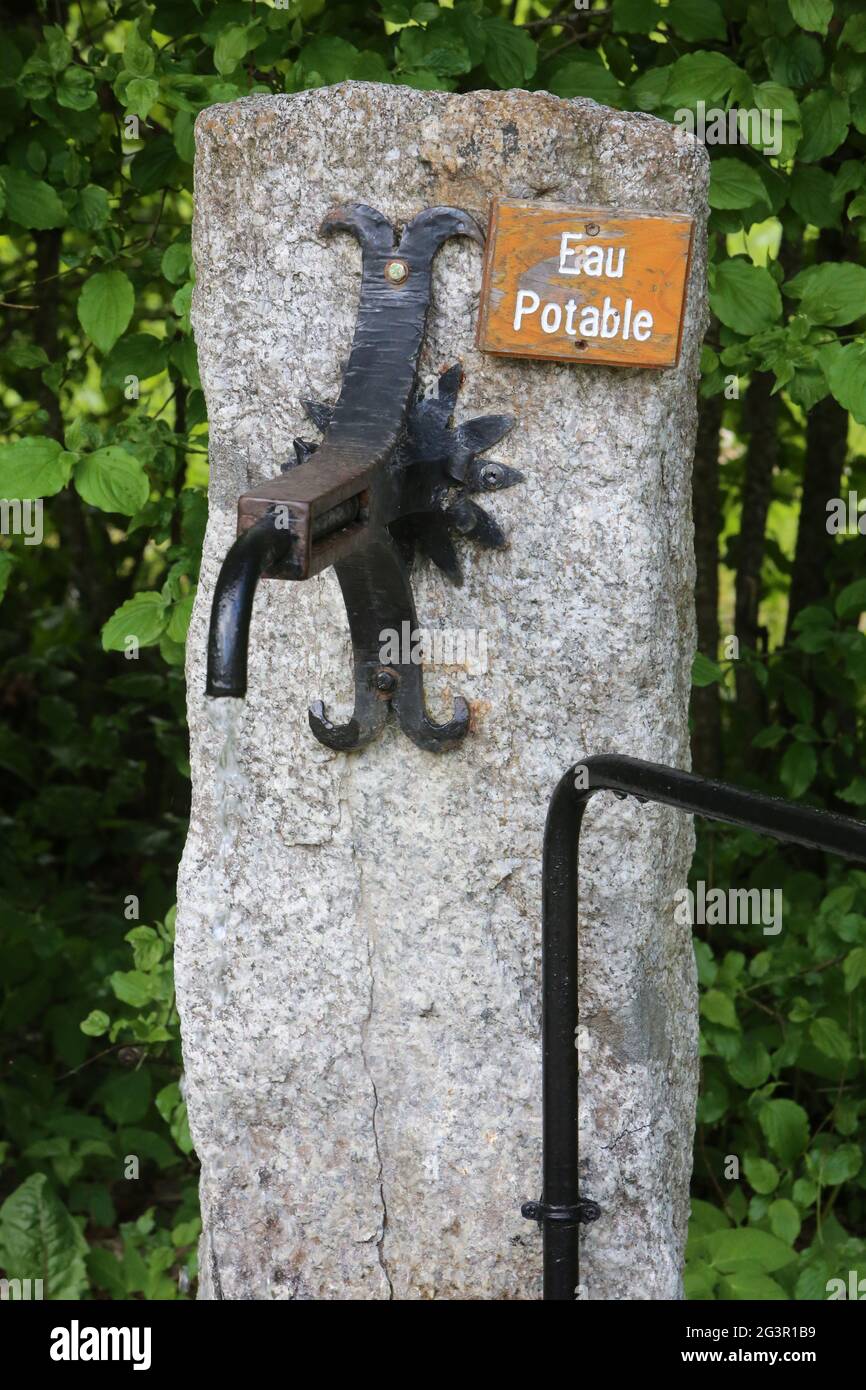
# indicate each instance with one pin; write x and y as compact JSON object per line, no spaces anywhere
{"x":257,"y":549}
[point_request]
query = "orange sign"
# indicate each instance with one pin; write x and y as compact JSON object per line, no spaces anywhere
{"x":584,"y":284}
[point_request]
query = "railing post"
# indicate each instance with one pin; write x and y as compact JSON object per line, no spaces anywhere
{"x":561,"y":1209}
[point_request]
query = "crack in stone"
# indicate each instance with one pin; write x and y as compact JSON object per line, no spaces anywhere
{"x":380,"y":1174}
{"x":216,"y":1281}
{"x":380,"y":1178}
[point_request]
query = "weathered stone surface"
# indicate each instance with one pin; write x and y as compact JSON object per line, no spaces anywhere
{"x":361,"y":1032}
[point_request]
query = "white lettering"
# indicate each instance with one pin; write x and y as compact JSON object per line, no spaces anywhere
{"x":528,"y":302}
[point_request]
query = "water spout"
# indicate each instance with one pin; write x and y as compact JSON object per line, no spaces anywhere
{"x":259,"y":548}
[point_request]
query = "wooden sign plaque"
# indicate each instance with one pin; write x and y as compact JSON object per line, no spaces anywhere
{"x":588,"y":285}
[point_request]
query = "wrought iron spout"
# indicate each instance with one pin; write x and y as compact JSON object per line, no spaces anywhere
{"x":254,"y":551}
{"x":390,"y":476}
{"x":562,"y":1210}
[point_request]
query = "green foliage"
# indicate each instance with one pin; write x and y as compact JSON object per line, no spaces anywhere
{"x":103,"y":416}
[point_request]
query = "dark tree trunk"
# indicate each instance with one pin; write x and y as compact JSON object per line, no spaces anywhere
{"x":760,"y":424}
{"x":706,"y":509}
{"x":826,"y":444}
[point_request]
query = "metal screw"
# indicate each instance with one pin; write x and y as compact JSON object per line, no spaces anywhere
{"x":491,"y":474}
{"x":396,"y":272}
{"x":580,"y":344}
{"x":592,"y":229}
{"x":386,"y":681}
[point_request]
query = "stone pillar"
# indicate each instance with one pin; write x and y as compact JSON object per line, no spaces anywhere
{"x":358,"y":960}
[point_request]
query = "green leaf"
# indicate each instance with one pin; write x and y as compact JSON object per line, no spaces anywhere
{"x":95,"y":1024}
{"x":699,"y":1281}
{"x":751,"y":1066}
{"x":794,"y":62}
{"x":7,"y":565}
{"x":804,"y":1192}
{"x":156,"y":166}
{"x":179,"y":620}
{"x":798,"y":768}
{"x":813,"y":196}
{"x":437,"y":49}
{"x":696,"y":20}
{"x":141,"y":95}
{"x":75,"y":90}
{"x":730,"y":1250}
{"x":751,"y":1287}
{"x":851,"y":601}
{"x":774,"y":98}
{"x":587,"y":80}
{"x":59,"y":47}
{"x":745,"y":297}
{"x":138,"y":56}
{"x":854,"y":968}
{"x":510,"y":55}
{"x":176,"y":261}
{"x":841,"y":1165}
{"x":830,"y":1039}
{"x":701,"y":76}
{"x":132,"y":987}
{"x":31,"y":202}
{"x":847,"y":377}
{"x":733,"y":184}
{"x":184,"y":357}
{"x":647,"y":92}
{"x":40,"y":1240}
{"x":138,"y":354}
{"x":769,"y":737}
{"x":705,"y":1218}
{"x":854,"y":33}
{"x":331,"y":57}
{"x":231,"y":47}
{"x":718,"y":1007}
{"x":814,"y":15}
{"x":704,"y":671}
{"x":761,"y":1174}
{"x":635,"y":16}
{"x":143,"y":617}
{"x":830,"y":293}
{"x":167,"y":1100}
{"x":126,"y":1098}
{"x":112,"y":480}
{"x":825,"y":116}
{"x":106,"y":1271}
{"x":105,"y":307}
{"x":91,"y":210}
{"x":33,"y":467}
{"x":181,"y":302}
{"x":786,"y":1128}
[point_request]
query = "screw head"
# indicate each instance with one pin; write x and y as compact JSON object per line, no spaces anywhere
{"x":592,"y":229}
{"x":396,"y":272}
{"x":491,"y":475}
{"x":386,"y":681}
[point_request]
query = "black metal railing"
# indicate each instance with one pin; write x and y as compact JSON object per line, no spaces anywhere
{"x":561,"y":1209}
